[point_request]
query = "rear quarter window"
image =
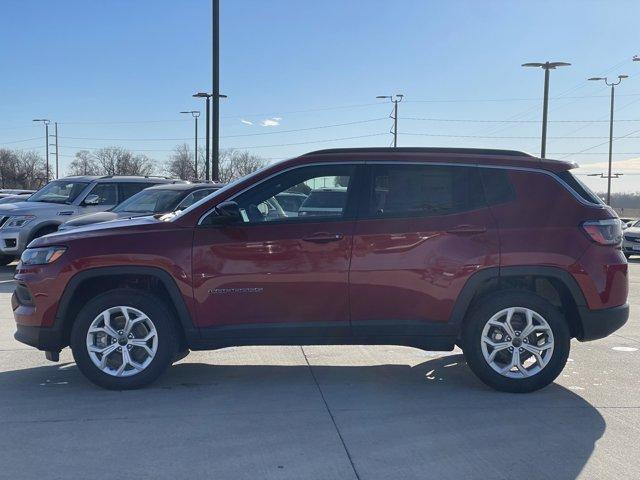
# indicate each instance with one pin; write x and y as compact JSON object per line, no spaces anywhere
{"x":497,"y":186}
{"x":580,"y":188}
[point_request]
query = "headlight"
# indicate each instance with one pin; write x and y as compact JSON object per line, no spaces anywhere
{"x":17,"y":222}
{"x":41,"y":255}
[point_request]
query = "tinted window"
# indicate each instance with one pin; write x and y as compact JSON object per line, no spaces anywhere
{"x":497,"y":187}
{"x":261,"y":204}
{"x":194,"y":197}
{"x":423,"y":190}
{"x":579,"y":187}
{"x":130,"y":189}
{"x":106,"y":192}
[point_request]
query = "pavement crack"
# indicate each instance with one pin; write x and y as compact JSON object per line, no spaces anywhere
{"x":326,"y":405}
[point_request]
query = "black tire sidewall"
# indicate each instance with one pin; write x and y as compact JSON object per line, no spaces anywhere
{"x":491,"y":305}
{"x":151,"y":306}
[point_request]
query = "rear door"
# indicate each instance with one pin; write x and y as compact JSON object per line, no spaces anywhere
{"x":423,"y":230}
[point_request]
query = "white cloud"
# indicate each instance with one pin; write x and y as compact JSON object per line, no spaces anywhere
{"x":271,"y":122}
{"x":246,"y":122}
{"x":631,"y":165}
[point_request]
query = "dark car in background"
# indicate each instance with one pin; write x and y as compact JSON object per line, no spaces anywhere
{"x":151,"y":201}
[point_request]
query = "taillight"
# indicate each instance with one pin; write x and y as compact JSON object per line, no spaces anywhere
{"x":604,"y":232}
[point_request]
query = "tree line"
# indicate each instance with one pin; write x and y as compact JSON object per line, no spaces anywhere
{"x":27,"y":169}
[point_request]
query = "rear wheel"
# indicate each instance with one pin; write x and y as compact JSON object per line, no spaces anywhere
{"x":516,"y":341}
{"x":123,"y":339}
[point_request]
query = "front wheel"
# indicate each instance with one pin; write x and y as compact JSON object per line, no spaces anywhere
{"x":123,"y":339}
{"x":516,"y":341}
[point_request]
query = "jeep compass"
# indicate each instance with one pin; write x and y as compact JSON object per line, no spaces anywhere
{"x":506,"y":255}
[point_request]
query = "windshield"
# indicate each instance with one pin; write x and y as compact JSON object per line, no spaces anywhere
{"x":151,"y":201}
{"x":60,"y":191}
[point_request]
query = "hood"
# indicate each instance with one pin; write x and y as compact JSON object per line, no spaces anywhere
{"x":92,"y":218}
{"x":121,"y":226}
{"x":632,"y":231}
{"x":33,"y":208}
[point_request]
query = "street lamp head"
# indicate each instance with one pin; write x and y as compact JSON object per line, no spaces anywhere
{"x":546,"y":65}
{"x":636,"y":58}
{"x":222,"y":96}
{"x":558,"y":64}
{"x":202,"y":95}
{"x":383,"y":96}
{"x":596,"y":78}
{"x":623,"y":76}
{"x":533,"y":64}
{"x":46,"y":120}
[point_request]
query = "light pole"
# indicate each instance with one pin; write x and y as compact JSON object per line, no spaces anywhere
{"x":207,"y":97}
{"x":195,"y":114}
{"x":546,"y":66}
{"x":613,"y":93}
{"x":395,"y":99}
{"x":46,"y":122}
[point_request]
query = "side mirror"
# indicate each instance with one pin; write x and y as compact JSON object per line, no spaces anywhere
{"x":226,"y":213}
{"x":92,"y":199}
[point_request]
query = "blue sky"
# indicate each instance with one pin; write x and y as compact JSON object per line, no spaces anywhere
{"x":118,"y":72}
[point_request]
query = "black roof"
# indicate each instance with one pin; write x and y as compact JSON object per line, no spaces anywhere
{"x":467,"y":151}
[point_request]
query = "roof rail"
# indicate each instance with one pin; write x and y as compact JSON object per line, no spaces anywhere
{"x":468,"y":151}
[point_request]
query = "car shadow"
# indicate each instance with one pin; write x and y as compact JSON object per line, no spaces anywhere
{"x":430,"y":420}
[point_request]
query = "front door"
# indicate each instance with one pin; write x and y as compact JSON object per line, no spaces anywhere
{"x":279,"y":273}
{"x":422,"y":232}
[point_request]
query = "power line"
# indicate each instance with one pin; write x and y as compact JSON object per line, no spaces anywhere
{"x":21,"y":141}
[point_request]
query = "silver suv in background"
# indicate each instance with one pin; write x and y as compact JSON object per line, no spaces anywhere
{"x":59,"y":201}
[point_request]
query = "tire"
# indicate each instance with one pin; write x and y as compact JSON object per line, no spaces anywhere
{"x":551,"y":341}
{"x":150,"y":358}
{"x":6,"y":260}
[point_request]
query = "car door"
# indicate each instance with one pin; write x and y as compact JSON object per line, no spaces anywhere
{"x":273,"y":274}
{"x":423,"y":230}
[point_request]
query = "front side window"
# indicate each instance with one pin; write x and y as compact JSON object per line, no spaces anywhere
{"x":60,"y":191}
{"x":322,"y":191}
{"x":105,"y":194}
{"x":423,"y":190}
{"x":195,"y":197}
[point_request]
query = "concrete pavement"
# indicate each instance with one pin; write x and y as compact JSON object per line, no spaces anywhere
{"x":321,"y":413}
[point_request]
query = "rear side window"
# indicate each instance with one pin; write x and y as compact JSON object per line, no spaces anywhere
{"x":497,"y":186}
{"x":423,"y":190}
{"x":579,"y":187}
{"x":129,"y":189}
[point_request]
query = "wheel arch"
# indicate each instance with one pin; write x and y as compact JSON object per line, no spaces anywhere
{"x":552,"y":283}
{"x":82,"y":286}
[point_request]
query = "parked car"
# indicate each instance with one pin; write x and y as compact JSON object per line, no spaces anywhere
{"x":291,"y":202}
{"x":7,"y":192}
{"x":631,"y":242}
{"x":324,"y":202}
{"x":163,"y":198}
{"x":506,"y":255}
{"x":59,"y":201}
{"x":17,"y":198}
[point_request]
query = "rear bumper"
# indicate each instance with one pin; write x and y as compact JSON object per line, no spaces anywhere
{"x":601,"y":323}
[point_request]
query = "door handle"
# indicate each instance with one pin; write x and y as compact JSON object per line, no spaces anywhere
{"x":467,"y":230}
{"x":324,"y":237}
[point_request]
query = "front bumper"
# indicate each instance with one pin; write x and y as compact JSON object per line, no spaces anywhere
{"x":597,"y":324}
{"x":11,"y":242}
{"x":48,"y":339}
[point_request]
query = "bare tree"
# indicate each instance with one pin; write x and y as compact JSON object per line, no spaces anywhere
{"x":119,"y":161}
{"x":236,"y":164}
{"x":20,"y":169}
{"x":181,"y":163}
{"x":84,"y":163}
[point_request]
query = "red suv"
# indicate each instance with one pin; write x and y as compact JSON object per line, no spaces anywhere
{"x":503,"y":254}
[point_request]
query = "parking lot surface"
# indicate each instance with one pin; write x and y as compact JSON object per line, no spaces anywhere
{"x":314,"y":412}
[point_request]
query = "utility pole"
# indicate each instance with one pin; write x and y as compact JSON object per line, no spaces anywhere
{"x":395,"y":99}
{"x":215,"y":90}
{"x":207,"y":96}
{"x":613,"y":93}
{"x":57,"y":152}
{"x":46,"y":122}
{"x":195,"y":114}
{"x":546,"y":66}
